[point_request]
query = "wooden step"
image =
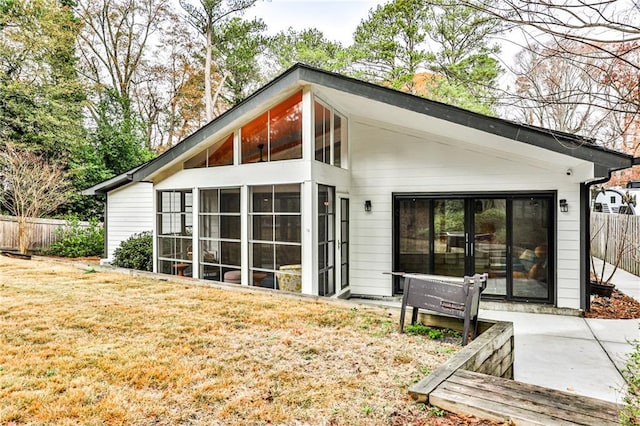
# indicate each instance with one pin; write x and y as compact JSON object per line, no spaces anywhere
{"x":504,"y":400}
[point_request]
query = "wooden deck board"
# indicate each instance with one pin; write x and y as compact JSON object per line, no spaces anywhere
{"x":500,"y":399}
{"x":548,"y":397}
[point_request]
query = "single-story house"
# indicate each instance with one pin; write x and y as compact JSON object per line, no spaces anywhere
{"x":323,"y":184}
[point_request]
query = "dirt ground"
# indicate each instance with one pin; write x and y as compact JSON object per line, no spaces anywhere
{"x":618,"y":306}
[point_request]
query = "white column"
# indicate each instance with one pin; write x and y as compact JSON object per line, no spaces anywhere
{"x":309,"y":239}
{"x":244,"y":234}
{"x":195,"y":241}
{"x":309,"y":195}
{"x":307,"y":125}
{"x":237,"y":159}
{"x":154,"y":228}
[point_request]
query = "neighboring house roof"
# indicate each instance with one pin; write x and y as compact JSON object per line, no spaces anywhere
{"x":604,"y":160}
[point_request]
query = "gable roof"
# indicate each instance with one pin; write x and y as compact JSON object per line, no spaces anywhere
{"x":604,"y":160}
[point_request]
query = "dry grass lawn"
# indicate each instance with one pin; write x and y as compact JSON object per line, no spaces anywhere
{"x":105,"y":348}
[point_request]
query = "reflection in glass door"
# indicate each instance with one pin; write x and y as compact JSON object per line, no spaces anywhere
{"x":450,"y":238}
{"x":490,"y":242}
{"x":530,"y":263}
{"x":414,"y":233}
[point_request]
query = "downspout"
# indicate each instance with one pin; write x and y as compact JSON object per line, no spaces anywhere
{"x":585,"y":232}
{"x":585,"y":240}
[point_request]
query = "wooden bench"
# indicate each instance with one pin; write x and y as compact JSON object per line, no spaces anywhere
{"x":504,"y":400}
{"x":443,"y":295}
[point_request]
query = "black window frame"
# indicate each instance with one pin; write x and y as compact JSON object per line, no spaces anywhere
{"x":552,"y":196}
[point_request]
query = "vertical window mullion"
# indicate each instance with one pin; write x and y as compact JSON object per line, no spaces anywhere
{"x":331,"y":147}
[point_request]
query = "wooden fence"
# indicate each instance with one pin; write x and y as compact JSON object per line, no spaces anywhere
{"x":612,"y":234}
{"x":43,"y":235}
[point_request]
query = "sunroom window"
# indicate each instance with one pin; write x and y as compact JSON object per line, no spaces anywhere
{"x":275,"y":242}
{"x":218,"y":154}
{"x":175,"y":230}
{"x":330,"y":135}
{"x":275,"y":134}
{"x":220,"y":234}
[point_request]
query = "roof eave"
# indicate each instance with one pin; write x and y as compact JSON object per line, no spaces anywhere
{"x":563,"y":143}
{"x":111,"y":183}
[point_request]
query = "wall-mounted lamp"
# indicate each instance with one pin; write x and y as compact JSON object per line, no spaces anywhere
{"x":564,"y":206}
{"x":367,"y":206}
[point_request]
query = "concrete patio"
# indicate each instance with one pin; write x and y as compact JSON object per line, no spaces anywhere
{"x":574,"y":354}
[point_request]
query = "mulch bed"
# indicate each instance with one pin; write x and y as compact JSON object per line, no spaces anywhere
{"x":618,"y":306}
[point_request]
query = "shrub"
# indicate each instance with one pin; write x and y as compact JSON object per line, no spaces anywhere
{"x":74,"y":240}
{"x":431,"y":332}
{"x":136,"y":252}
{"x":630,"y":415}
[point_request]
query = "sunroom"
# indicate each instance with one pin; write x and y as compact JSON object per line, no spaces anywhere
{"x":246,"y":207}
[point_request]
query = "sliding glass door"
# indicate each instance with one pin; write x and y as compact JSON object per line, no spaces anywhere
{"x":507,"y":236}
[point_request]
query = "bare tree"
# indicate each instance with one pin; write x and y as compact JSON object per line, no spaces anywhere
{"x":601,"y":36}
{"x":31,"y":188}
{"x":553,"y":91}
{"x":170,"y":98}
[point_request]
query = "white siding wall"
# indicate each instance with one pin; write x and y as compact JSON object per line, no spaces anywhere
{"x":385,"y":161}
{"x":129,"y":211}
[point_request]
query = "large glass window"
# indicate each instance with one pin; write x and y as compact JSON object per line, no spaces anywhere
{"x":322,"y":121}
{"x":330,"y":135}
{"x":507,"y":236}
{"x":175,"y":230}
{"x":275,"y":239}
{"x":326,"y":241}
{"x":274,"y":135}
{"x":220,"y":234}
{"x":339,"y":140}
{"x":218,"y":154}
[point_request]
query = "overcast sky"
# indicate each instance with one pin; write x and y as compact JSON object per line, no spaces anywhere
{"x":337,"y":19}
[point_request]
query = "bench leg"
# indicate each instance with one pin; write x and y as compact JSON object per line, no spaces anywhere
{"x":414,"y":316}
{"x":475,"y":327}
{"x":465,"y":332}
{"x":402,"y":312}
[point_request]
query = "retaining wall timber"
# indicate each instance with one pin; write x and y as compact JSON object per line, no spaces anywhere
{"x":490,"y":353}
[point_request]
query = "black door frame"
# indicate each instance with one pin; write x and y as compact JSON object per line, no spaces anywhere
{"x":468,"y":198}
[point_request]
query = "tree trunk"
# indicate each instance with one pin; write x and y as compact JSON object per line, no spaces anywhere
{"x":24,"y":235}
{"x":207,"y":79}
{"x":219,"y":89}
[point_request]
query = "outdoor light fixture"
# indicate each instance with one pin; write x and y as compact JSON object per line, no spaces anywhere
{"x":564,"y":207}
{"x":367,"y":206}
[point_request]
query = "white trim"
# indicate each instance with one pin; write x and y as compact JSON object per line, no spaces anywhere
{"x":195,"y":233}
{"x":244,"y":235}
{"x":155,"y":230}
{"x":309,"y":237}
{"x":338,"y":248}
{"x":307,"y":125}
